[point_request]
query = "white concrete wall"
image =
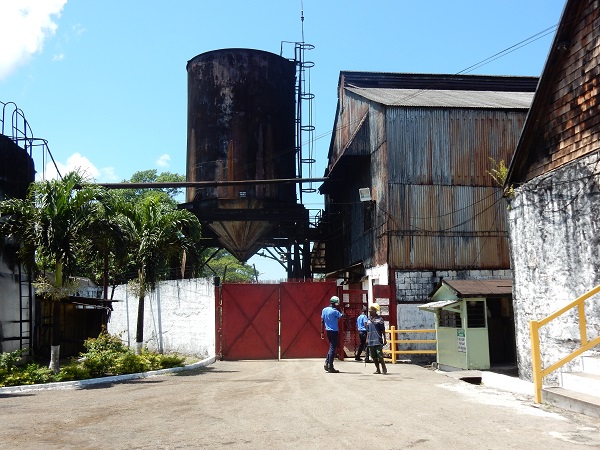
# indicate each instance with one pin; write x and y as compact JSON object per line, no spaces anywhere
{"x":179,"y":317}
{"x":555,"y":253}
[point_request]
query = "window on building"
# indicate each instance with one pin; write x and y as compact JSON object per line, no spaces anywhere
{"x":475,"y":314}
{"x":449,"y":319}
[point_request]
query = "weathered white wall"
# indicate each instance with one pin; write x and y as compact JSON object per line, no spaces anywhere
{"x":554,"y":246}
{"x":179,"y":317}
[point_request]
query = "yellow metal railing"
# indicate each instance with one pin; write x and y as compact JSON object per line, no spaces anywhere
{"x":534,"y":327}
{"x":394,"y":342}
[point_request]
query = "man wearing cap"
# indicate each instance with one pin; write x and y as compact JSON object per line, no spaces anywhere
{"x":329,"y":322}
{"x":376,"y":337}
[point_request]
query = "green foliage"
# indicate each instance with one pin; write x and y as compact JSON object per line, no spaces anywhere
{"x":105,"y":355}
{"x":223,"y":264}
{"x":32,"y":374}
{"x":166,"y":195}
{"x":73,"y":371}
{"x":499,"y":172}
{"x":9,"y":361}
{"x":14,"y":373}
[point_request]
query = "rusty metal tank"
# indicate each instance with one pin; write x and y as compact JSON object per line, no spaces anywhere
{"x":241,"y":127}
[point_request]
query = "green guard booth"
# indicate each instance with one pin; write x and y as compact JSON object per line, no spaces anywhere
{"x":461,"y":321}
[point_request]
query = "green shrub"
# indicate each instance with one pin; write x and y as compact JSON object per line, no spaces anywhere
{"x":32,"y":374}
{"x":130,"y":363}
{"x":73,"y":371}
{"x":169,"y":361}
{"x":105,"y":355}
{"x":10,"y":360}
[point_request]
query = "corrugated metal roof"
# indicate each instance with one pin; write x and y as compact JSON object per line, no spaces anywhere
{"x":432,"y":306}
{"x":446,"y":98}
{"x":480,"y":288}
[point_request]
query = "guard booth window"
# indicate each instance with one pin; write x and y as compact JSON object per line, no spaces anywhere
{"x":449,"y":319}
{"x":475,"y":314}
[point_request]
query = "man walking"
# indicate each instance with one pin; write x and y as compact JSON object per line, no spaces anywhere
{"x":362,"y":334}
{"x":376,"y":337}
{"x":329,"y":322}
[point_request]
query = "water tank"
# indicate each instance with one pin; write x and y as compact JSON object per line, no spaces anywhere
{"x":241,"y":127}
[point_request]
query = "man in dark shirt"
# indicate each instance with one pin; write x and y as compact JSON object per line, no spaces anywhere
{"x":376,"y":337}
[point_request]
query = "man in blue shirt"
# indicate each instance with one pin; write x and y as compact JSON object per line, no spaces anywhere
{"x":362,"y":334}
{"x":329,"y":322}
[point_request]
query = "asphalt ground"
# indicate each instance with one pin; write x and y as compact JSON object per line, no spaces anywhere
{"x":287,"y":404}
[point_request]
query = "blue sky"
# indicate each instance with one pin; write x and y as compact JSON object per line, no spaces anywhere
{"x":104,"y":81}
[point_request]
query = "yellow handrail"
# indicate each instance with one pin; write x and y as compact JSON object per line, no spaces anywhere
{"x":393,"y":341}
{"x":534,"y":329}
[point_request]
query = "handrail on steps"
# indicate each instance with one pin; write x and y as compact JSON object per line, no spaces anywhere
{"x":534,"y":327}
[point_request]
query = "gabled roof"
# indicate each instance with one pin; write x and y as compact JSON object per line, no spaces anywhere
{"x":477,"y":288}
{"x":542,"y":100}
{"x":446,"y":98}
{"x":441,"y":90}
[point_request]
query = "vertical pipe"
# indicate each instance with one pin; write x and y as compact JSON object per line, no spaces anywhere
{"x":393,"y":347}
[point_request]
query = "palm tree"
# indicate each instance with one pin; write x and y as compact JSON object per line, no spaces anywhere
{"x":50,"y":224}
{"x":105,"y":239}
{"x":156,"y":232}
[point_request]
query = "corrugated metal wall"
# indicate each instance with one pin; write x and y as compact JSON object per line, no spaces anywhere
{"x":444,"y":210}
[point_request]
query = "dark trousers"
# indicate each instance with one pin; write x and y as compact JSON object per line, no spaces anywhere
{"x":332,"y":337}
{"x":363,"y":343}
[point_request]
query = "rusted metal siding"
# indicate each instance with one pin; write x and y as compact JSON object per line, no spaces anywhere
{"x":351,"y":117}
{"x":447,"y":227}
{"x":241,"y":122}
{"x":241,"y":113}
{"x":444,"y":210}
{"x":449,"y":146}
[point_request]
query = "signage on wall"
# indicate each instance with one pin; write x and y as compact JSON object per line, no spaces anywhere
{"x":462,"y":344}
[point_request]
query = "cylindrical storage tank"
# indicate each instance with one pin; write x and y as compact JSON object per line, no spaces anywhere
{"x":241,"y":105}
{"x":16,"y":169}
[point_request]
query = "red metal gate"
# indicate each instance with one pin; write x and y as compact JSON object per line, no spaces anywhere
{"x":300,"y":309}
{"x":272,"y":321}
{"x":247,"y":326}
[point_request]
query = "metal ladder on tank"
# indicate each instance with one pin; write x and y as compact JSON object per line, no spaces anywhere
{"x":25,"y":312}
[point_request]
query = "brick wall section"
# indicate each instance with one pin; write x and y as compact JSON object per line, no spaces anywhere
{"x":415,"y":287}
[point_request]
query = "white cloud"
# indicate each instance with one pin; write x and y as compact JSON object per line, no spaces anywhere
{"x":81,"y":164}
{"x":58,"y":57}
{"x":163,"y":161}
{"x":24,"y":26}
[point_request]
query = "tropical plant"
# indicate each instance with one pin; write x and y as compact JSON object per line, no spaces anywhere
{"x":152,"y":176}
{"x":50,"y":225}
{"x":156,"y":232}
{"x":224,"y":265}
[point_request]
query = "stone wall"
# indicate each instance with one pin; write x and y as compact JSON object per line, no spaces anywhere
{"x":554,"y":245}
{"x":179,"y":317}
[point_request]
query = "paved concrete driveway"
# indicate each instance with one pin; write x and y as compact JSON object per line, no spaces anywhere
{"x":288,"y":404}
